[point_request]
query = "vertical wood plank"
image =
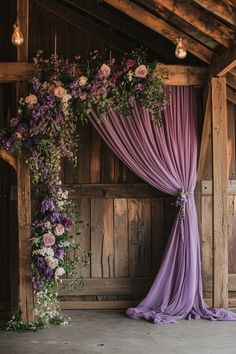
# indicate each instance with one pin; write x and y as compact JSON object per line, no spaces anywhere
{"x":139,"y":212}
{"x":231,"y":141}
{"x":220,"y":202}
{"x":84,"y":238}
{"x":206,"y":239}
{"x":95,"y":169}
{"x":108,"y":164}
{"x":102,"y":244}
{"x":121,"y":238}
{"x":25,"y":250}
{"x":206,"y":134}
{"x":84,"y":154}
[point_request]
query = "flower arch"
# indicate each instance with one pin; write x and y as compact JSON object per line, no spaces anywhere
{"x":61,"y":95}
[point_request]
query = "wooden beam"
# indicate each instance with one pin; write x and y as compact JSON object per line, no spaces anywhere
{"x":183,"y":75}
{"x":107,"y":286}
{"x":199,"y":19}
{"x":218,"y":9}
{"x":231,"y":80}
{"x":26,"y":303}
{"x":206,"y":133}
{"x":233,"y":71}
{"x":231,"y":95}
{"x":224,"y":63}
{"x":206,"y":188}
{"x":129,"y":28}
{"x":98,"y":305}
{"x":156,"y":24}
{"x":21,"y":71}
{"x":84,"y":22}
{"x":8,"y":157}
{"x":220,"y":194}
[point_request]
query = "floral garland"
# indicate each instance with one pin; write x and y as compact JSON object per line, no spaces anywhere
{"x":61,"y":95}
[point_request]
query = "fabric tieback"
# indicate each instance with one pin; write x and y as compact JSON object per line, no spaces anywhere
{"x":180,"y":202}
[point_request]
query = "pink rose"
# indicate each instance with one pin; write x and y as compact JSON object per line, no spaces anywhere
{"x":141,"y":71}
{"x":59,"y":272}
{"x":52,"y":263}
{"x":129,"y":63}
{"x":59,"y":230}
{"x":83,"y":96}
{"x":59,"y":92}
{"x":31,"y":100}
{"x":48,"y":240}
{"x":104,"y":71}
{"x":66,"y":98}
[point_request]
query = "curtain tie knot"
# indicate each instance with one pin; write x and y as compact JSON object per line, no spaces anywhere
{"x":181,"y":200}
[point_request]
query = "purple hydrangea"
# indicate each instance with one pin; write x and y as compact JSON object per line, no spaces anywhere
{"x":47,"y":205}
{"x":48,"y":273}
{"x":40,"y":262}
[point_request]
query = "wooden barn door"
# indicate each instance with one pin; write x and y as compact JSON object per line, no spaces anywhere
{"x":126,"y":224}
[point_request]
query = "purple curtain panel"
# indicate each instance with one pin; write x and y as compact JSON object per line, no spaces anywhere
{"x":166,"y":158}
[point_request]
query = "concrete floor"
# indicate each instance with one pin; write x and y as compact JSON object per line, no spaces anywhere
{"x":110,"y":332}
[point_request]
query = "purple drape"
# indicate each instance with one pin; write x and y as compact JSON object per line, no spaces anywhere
{"x":166,"y":158}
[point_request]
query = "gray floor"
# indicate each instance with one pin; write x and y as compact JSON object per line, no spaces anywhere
{"x":110,"y":332}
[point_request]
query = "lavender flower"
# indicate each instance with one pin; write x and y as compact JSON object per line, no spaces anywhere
{"x":47,"y":205}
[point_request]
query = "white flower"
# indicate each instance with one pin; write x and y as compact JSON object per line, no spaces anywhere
{"x":45,"y":251}
{"x":65,"y":244}
{"x":130,"y":75}
{"x":59,"y":272}
{"x":52,"y":262}
{"x":48,"y":225}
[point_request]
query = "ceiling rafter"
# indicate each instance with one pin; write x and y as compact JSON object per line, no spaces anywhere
{"x":221,"y":9}
{"x":197,"y":18}
{"x":81,"y":22}
{"x":140,"y":34}
{"x":162,"y":27}
{"x":223,"y":64}
{"x":231,"y":80}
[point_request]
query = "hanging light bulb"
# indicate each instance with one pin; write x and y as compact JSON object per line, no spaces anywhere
{"x":17,"y":37}
{"x":180,"y":50}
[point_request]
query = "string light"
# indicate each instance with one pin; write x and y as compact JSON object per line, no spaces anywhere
{"x":17,"y":37}
{"x":180,"y":50}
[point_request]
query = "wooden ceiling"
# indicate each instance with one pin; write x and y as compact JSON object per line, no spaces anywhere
{"x":208,"y":27}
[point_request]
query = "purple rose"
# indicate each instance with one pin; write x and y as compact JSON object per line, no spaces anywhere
{"x":48,"y":273}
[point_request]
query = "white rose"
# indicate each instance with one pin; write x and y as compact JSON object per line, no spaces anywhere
{"x":59,"y":272}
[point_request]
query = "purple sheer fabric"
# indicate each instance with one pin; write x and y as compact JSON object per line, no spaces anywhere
{"x":166,"y":158}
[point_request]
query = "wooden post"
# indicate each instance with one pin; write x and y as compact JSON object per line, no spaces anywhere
{"x":25,"y":249}
{"x":220,"y":194}
{"x":26,"y":305}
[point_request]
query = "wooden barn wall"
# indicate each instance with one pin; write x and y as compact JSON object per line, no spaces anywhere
{"x":205,"y":211}
{"x":125,"y":222}
{"x":8,"y":206}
